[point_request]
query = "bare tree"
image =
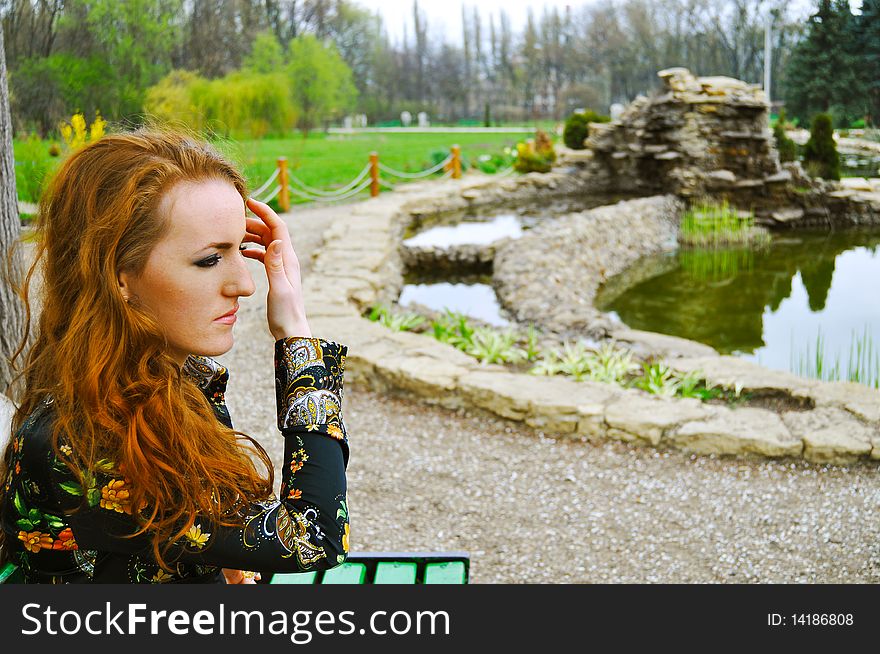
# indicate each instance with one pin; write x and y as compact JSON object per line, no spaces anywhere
{"x":11,"y":309}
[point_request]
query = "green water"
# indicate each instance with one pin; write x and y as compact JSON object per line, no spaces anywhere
{"x":767,"y":305}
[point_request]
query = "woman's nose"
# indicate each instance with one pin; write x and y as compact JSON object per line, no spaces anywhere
{"x":242,"y":282}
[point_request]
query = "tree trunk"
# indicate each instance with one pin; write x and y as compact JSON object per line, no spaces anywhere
{"x":12,"y":315}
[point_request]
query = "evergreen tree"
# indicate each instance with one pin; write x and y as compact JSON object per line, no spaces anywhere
{"x":823,"y":74}
{"x":868,"y":28}
{"x":820,"y":152}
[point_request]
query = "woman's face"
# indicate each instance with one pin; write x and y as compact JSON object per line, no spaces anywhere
{"x":195,"y":274}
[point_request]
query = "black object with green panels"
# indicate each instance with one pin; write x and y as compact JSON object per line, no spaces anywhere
{"x":387,"y":568}
{"x":359,"y":568}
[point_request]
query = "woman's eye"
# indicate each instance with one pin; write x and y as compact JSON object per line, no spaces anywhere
{"x":209,"y":262}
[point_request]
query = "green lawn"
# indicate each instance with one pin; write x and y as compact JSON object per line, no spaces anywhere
{"x":331,"y":161}
{"x":321,"y":161}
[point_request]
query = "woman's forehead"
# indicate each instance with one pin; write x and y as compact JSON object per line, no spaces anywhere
{"x":206,"y":209}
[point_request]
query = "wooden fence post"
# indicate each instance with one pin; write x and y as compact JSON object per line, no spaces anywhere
{"x":284,"y":194}
{"x":374,"y":174}
{"x":456,"y":162}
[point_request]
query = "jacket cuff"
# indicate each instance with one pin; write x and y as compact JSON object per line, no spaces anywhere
{"x":308,"y":385}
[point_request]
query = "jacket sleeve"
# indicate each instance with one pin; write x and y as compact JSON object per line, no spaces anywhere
{"x":307,"y":529}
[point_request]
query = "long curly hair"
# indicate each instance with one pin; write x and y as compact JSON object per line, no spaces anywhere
{"x":117,"y":394}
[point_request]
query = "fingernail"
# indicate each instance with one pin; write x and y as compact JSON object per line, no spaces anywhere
{"x":276,"y":249}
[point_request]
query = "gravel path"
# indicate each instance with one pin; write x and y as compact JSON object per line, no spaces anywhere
{"x":536,"y":510}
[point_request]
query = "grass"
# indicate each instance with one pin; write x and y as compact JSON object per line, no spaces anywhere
{"x":331,"y":161}
{"x":711,"y":224}
{"x":322,"y":161}
{"x":862,"y":365}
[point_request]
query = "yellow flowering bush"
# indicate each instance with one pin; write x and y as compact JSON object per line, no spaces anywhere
{"x":74,"y":132}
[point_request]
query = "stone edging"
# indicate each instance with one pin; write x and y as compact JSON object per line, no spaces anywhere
{"x":360,"y":265}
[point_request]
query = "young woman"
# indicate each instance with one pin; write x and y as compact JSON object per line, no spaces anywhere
{"x":123,"y":465}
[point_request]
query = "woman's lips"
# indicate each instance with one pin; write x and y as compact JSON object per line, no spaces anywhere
{"x":227,"y":318}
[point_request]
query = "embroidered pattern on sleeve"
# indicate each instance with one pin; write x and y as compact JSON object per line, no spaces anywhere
{"x":308,"y":381}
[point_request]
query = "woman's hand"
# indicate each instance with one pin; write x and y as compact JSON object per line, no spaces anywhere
{"x":285,"y":308}
{"x":240,"y":576}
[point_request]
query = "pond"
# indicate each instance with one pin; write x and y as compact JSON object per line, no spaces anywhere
{"x":777,"y":306}
{"x":484,"y":225}
{"x":473,"y":295}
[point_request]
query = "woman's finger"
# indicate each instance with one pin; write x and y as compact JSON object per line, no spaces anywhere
{"x":255,"y":254}
{"x":264,"y":211}
{"x":257,"y":226}
{"x":276,"y":227}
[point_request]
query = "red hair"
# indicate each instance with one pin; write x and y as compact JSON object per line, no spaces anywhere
{"x":117,"y":394}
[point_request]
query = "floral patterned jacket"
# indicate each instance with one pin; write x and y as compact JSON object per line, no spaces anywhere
{"x":306,"y":530}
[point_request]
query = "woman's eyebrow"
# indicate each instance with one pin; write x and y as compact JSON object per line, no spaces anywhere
{"x":219,"y":246}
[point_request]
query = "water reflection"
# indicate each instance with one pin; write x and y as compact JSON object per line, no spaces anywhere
{"x":471,"y":233}
{"x":767,"y":305}
{"x":476,"y":300}
{"x":483,"y":225}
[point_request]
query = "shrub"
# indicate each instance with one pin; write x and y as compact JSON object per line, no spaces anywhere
{"x":785,"y":146}
{"x":42,"y":89}
{"x":820,"y":152}
{"x":577,"y":128}
{"x":528,"y":161}
{"x":535,"y":155}
{"x":243,"y":103}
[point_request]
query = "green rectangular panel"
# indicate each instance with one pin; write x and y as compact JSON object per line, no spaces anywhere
{"x":450,"y":572}
{"x":7,"y":574}
{"x":347,"y":573}
{"x":294,"y":578}
{"x":395,"y":572}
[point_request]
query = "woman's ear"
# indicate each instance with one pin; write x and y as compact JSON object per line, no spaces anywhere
{"x":124,"y":280}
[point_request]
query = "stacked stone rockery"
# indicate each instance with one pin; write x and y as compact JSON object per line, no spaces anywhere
{"x":709,"y":136}
{"x":697,"y":136}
